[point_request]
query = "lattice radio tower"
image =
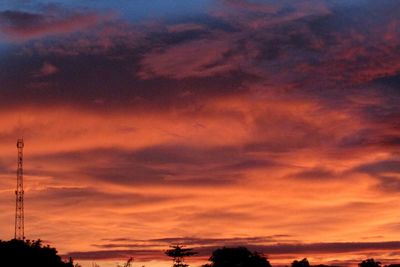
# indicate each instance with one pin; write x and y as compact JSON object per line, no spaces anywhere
{"x":19,"y":204}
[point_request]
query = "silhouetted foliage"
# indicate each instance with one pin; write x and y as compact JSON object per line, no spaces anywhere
{"x":369,"y":263}
{"x":18,"y":253}
{"x":127,"y":264}
{"x":303,"y":263}
{"x":237,"y":257}
{"x":178,"y":253}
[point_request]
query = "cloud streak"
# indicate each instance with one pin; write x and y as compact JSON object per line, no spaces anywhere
{"x":22,"y":26}
{"x":272,"y":250}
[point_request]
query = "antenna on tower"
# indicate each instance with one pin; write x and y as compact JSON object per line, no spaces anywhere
{"x":19,"y":204}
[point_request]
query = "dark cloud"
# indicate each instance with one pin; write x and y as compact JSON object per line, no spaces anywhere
{"x":385,"y":172}
{"x":72,"y":196}
{"x":315,"y":173}
{"x":116,"y":254}
{"x":19,"y":18}
{"x":109,"y":77}
{"x":390,"y":81}
{"x":167,"y":165}
{"x":310,"y":46}
{"x":380,"y":167}
{"x":317,"y":248}
{"x":252,"y":164}
{"x":389,"y":184}
{"x":271,"y":250}
{"x":5,"y":167}
{"x":193,"y":241}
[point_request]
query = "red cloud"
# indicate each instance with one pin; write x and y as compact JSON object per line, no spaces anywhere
{"x":20,"y":26}
{"x":200,"y":58}
{"x":48,"y":69}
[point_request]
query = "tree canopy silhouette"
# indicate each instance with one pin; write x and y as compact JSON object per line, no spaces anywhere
{"x":237,"y":257}
{"x":369,"y":263}
{"x":178,"y":253}
{"x":302,"y":263}
{"x":18,"y":253}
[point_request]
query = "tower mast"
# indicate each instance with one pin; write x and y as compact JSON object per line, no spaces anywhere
{"x":19,"y":204}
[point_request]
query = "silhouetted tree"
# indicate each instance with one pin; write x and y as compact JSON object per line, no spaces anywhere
{"x":18,"y":253}
{"x":178,"y":253}
{"x":128,"y":263}
{"x":237,"y":257}
{"x":369,"y":263}
{"x":303,"y":263}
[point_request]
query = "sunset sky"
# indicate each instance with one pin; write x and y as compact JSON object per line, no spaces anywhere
{"x":273,"y":124}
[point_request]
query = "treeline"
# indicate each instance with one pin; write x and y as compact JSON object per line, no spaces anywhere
{"x":18,"y":253}
{"x":242,"y":257}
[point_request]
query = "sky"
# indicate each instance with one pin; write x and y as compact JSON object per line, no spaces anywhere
{"x":269,"y":124}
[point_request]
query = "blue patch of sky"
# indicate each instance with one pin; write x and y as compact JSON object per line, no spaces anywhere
{"x":131,"y":10}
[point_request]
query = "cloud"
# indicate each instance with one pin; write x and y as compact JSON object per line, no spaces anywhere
{"x":318,"y":173}
{"x":185,"y":27}
{"x":306,"y":39}
{"x":279,"y":116}
{"x":381,"y":167}
{"x":146,"y":255}
{"x":258,"y":15}
{"x":202,"y":58}
{"x":21,"y":19}
{"x":286,"y":56}
{"x":192,"y":241}
{"x":271,"y":250}
{"x":72,"y":196}
{"x":47,"y":69}
{"x":161,"y":165}
{"x":236,"y":47}
{"x":385,"y":172}
{"x":23,"y":26}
